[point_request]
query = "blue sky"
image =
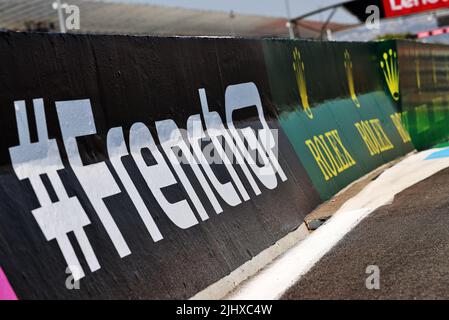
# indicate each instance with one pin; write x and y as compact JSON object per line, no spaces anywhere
{"x":257,"y":7}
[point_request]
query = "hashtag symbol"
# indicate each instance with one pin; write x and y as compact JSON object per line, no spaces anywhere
{"x":30,"y":160}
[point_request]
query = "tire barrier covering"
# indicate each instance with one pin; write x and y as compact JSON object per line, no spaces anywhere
{"x":141,"y":167}
{"x":424,"y":84}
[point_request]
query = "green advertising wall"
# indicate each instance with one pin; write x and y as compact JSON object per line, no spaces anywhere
{"x":424,"y":85}
{"x":334,"y":103}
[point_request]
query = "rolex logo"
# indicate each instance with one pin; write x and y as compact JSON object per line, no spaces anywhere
{"x":350,"y":78}
{"x":389,"y":65}
{"x":298,"y":66}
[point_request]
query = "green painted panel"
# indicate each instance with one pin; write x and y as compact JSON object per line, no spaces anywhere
{"x":336,"y":108}
{"x":424,"y":83}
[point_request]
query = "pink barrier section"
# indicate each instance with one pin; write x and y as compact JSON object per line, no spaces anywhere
{"x":6,"y":292}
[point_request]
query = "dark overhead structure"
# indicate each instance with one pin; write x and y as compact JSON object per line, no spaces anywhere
{"x":387,"y":8}
{"x":358,"y":8}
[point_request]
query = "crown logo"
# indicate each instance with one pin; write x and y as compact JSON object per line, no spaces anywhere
{"x":389,"y":65}
{"x":298,"y":66}
{"x":350,"y":78}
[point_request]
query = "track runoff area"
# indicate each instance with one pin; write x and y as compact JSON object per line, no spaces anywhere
{"x":390,"y":241}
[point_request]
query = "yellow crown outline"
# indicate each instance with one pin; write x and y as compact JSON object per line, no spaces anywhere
{"x":389,"y":65}
{"x":298,"y":67}
{"x":350,"y":78}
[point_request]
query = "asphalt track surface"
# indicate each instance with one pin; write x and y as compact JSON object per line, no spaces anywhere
{"x":409,"y":242}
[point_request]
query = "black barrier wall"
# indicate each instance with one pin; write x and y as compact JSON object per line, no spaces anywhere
{"x":141,"y":167}
{"x":90,"y":125}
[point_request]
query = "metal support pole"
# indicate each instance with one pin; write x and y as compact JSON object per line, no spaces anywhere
{"x":329,"y":18}
{"x":60,"y":16}
{"x":289,"y":25}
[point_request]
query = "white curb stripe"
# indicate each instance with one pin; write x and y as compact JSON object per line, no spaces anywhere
{"x":274,"y":280}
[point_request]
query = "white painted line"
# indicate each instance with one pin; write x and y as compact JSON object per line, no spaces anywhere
{"x":404,"y":174}
{"x":274,"y":280}
{"x":222,"y":287}
{"x":226,"y":285}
